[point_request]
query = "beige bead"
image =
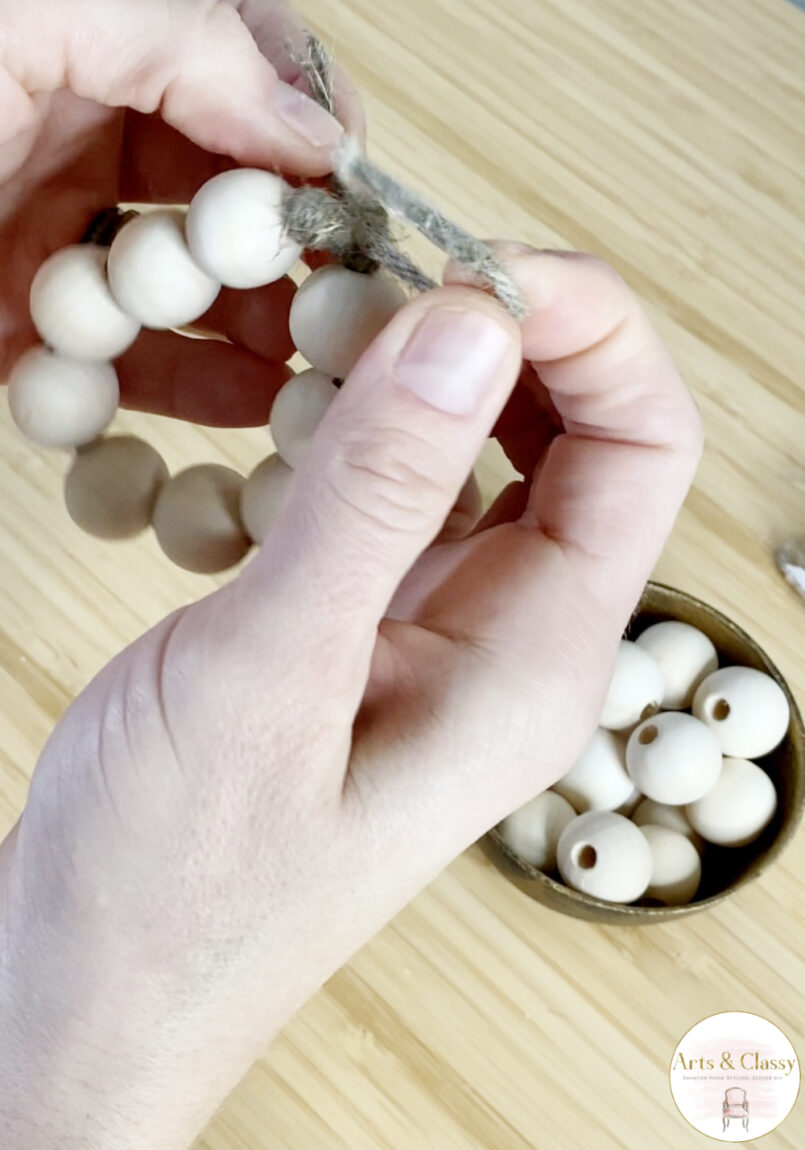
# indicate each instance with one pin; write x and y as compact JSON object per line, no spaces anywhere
{"x":676,"y":868}
{"x":635,"y":689}
{"x":153,"y":276}
{"x":73,"y":309}
{"x":738,"y":808}
{"x":235,"y":229}
{"x":533,"y":831}
{"x":673,"y":758}
{"x":112,"y":487}
{"x":61,"y":402}
{"x":263,"y":496}
{"x":604,"y":855}
{"x":745,"y":709}
{"x":337,"y":313}
{"x":297,"y":411}
{"x":598,"y":780}
{"x":685,"y":656}
{"x":657,"y":814}
{"x":197,"y":519}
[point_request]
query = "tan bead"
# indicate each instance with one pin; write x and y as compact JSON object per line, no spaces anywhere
{"x":651,"y":813}
{"x":61,"y":402}
{"x":746,"y":710}
{"x":598,"y":780}
{"x":673,"y":758}
{"x":263,"y":496}
{"x":684,"y":654}
{"x":112,"y":487}
{"x":297,"y":411}
{"x":604,"y":855}
{"x":635,"y":690}
{"x":738,"y":808}
{"x":197,"y":519}
{"x":676,"y":868}
{"x":532,"y":831}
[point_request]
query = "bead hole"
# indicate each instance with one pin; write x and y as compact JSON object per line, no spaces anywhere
{"x":648,"y":735}
{"x":586,"y":856}
{"x":721,"y":710}
{"x":649,"y":710}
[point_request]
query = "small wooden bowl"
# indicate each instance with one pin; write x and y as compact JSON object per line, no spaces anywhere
{"x":725,"y":870}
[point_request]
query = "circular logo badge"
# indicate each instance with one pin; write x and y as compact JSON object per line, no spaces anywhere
{"x":735,"y":1077}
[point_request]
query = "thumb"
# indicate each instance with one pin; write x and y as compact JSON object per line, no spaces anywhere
{"x":194,"y":61}
{"x":390,"y":458}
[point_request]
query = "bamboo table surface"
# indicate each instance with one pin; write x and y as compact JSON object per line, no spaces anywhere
{"x":667,"y":136}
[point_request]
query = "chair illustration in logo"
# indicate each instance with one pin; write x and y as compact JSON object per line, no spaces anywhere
{"x":735,"y":1105}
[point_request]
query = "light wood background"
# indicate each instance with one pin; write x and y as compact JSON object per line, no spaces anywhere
{"x":668,"y":136}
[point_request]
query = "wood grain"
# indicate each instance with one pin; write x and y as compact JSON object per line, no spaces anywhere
{"x":668,"y":137}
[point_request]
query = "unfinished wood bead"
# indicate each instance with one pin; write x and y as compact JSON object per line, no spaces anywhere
{"x":336,"y":314}
{"x":649,"y":812}
{"x":746,"y":710}
{"x":297,"y":411}
{"x":635,"y":690}
{"x":673,"y":758}
{"x":111,"y":489}
{"x":604,"y":855}
{"x":263,"y":495}
{"x":153,"y":276}
{"x":598,"y":780}
{"x":60,"y":402}
{"x":235,"y":229}
{"x":738,"y":808}
{"x":676,"y":868}
{"x":197,"y":519}
{"x":685,"y":656}
{"x":533,"y":831}
{"x":74,"y":310}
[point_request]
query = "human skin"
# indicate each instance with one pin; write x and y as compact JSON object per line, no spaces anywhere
{"x":249,"y":792}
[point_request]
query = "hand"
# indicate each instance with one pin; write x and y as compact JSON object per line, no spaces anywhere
{"x":107,"y":101}
{"x":242,"y":798}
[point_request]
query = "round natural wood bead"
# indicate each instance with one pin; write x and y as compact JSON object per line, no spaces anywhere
{"x":676,"y":868}
{"x":605,"y":855}
{"x":533,"y":830}
{"x":673,"y":758}
{"x":60,"y":402}
{"x":598,"y":780}
{"x":738,"y":808}
{"x":336,"y":313}
{"x":635,"y":690}
{"x":197,"y":519}
{"x":73,"y":309}
{"x":263,"y":495}
{"x":235,"y":229}
{"x":153,"y":276}
{"x":745,"y":709}
{"x":685,"y":656}
{"x":297,"y":411}
{"x":112,"y":486}
{"x":649,"y":812}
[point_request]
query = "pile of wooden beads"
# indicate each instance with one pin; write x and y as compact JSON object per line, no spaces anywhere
{"x":163,"y":271}
{"x":668,"y":771}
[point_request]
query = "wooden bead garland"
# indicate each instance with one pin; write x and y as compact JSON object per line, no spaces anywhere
{"x":163,"y":270}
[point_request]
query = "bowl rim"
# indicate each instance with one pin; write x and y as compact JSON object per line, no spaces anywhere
{"x":558,"y":892}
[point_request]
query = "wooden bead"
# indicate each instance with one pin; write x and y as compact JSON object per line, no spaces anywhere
{"x":73,"y":309}
{"x":61,"y":402}
{"x":153,"y":276}
{"x":533,"y":831}
{"x":604,"y":855}
{"x":337,"y":313}
{"x":598,"y":780}
{"x":197,"y":519}
{"x":738,"y":808}
{"x":235,"y":229}
{"x":635,"y":690}
{"x":650,"y":812}
{"x":263,"y":496}
{"x":297,"y":411}
{"x":676,"y":868}
{"x":112,"y":486}
{"x":685,"y":656}
{"x":673,"y":758}
{"x":745,"y":709}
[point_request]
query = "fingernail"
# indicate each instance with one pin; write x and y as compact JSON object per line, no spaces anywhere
{"x":452,"y":358}
{"x":304,"y":116}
